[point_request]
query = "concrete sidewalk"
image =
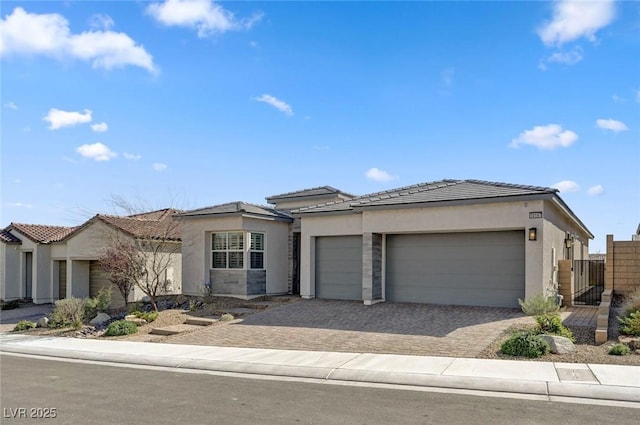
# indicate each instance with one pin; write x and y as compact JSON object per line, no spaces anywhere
{"x":592,"y":381}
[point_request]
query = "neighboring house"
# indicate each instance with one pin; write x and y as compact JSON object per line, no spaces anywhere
{"x":47,"y":263}
{"x":462,"y":242}
{"x":636,"y":237}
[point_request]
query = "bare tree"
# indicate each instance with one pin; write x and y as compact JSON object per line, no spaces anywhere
{"x":151,"y":248}
{"x":121,"y":259}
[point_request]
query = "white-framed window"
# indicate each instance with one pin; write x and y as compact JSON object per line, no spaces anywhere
{"x":256,"y":252}
{"x":229,"y":249}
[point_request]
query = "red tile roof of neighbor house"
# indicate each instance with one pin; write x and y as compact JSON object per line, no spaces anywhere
{"x":153,"y":225}
{"x":42,"y":233}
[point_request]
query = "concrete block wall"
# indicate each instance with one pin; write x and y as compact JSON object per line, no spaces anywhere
{"x":622,"y":273}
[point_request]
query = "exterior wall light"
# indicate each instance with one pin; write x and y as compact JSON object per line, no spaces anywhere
{"x":533,"y":234}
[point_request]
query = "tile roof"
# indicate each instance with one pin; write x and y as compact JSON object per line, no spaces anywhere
{"x":438,"y":191}
{"x":7,"y":237}
{"x":315,"y":191}
{"x":42,"y":233}
{"x":153,"y":225}
{"x":237,"y":207}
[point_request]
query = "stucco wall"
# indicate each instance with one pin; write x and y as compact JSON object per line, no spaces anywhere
{"x":196,"y":250}
{"x":9,"y":271}
{"x":480,"y":217}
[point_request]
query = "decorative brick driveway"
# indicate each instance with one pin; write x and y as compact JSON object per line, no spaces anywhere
{"x":345,"y":326}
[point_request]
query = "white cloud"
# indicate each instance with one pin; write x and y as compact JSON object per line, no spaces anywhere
{"x":613,"y":125}
{"x":549,"y":136}
{"x":595,"y":190}
{"x":276,"y":103}
{"x":101,"y":21}
{"x":576,"y":19}
{"x":19,"y":205}
{"x":58,"y":118}
{"x":96,"y":151}
{"x":100,"y":127}
{"x":379,"y":175}
{"x":131,"y":156}
{"x":566,"y":186}
{"x":24,"y":33}
{"x":11,"y":105}
{"x":205,"y":16}
{"x":571,"y":57}
{"x":618,"y":99}
{"x":158,"y":166}
{"x":638,"y":95}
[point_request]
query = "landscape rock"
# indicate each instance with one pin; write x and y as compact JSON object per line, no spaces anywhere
{"x":146,"y":299}
{"x":100,"y":319}
{"x":43,"y":322}
{"x":135,"y":319}
{"x":633,"y":342}
{"x":559,"y":344}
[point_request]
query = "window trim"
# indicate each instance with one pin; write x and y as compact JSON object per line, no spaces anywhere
{"x":246,"y":249}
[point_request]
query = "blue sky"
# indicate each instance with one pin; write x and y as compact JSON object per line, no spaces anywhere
{"x":193,"y":103}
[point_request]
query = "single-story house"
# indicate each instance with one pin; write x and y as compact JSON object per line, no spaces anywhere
{"x":463,"y":242}
{"x":47,"y":263}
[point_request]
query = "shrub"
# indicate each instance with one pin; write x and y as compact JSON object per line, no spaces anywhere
{"x":525,"y":344}
{"x":226,"y":317}
{"x":619,"y":350}
{"x":552,"y":324}
{"x":538,"y":305}
{"x":630,"y":325}
{"x":148,"y":316}
{"x":23,"y":325}
{"x":98,"y":304}
{"x":10,"y":305}
{"x":121,"y":327}
{"x":67,"y":312}
{"x":632,"y":303}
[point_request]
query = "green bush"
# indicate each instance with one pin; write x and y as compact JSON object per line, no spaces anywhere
{"x":121,"y":327}
{"x":619,"y":350}
{"x":23,"y":325}
{"x":552,"y":324}
{"x":226,"y":317}
{"x":148,"y":316}
{"x":538,"y":305}
{"x":67,"y":312}
{"x":630,"y":325}
{"x":525,"y":344}
{"x":98,"y":304}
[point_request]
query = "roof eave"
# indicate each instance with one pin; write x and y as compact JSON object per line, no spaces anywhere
{"x":569,"y":213}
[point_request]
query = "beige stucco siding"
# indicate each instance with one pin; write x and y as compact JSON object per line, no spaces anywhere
{"x":9,"y":271}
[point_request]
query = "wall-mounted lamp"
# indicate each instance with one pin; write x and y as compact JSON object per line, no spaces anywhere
{"x":568,"y":242}
{"x":533,"y":234}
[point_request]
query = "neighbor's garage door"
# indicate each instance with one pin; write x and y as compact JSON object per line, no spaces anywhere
{"x":99,"y":278}
{"x":339,"y":267}
{"x":483,"y":269}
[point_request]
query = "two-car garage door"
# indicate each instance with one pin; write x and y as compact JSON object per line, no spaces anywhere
{"x":483,"y":268}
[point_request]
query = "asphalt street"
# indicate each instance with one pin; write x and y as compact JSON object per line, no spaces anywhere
{"x":79,"y":393}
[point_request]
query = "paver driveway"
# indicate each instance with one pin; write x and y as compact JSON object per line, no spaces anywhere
{"x":353,"y":327}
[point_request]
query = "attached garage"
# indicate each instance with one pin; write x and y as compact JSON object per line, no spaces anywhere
{"x":481,"y":269}
{"x":98,"y":279}
{"x":339,"y":267}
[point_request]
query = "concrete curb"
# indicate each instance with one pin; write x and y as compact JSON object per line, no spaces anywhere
{"x":340,"y":374}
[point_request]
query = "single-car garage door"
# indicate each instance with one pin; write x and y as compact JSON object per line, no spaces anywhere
{"x":99,"y":278}
{"x":339,"y":267}
{"x":482,"y":269}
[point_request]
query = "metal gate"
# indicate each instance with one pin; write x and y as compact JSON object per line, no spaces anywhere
{"x":588,"y":281}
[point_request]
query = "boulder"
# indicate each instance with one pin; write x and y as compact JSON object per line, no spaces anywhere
{"x":43,"y":322}
{"x":100,"y":319}
{"x":633,"y":342}
{"x":559,"y":344}
{"x":135,"y":319}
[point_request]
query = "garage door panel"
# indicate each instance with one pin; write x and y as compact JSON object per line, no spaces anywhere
{"x":457,"y":268}
{"x":339,"y":267}
{"x":99,"y":278}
